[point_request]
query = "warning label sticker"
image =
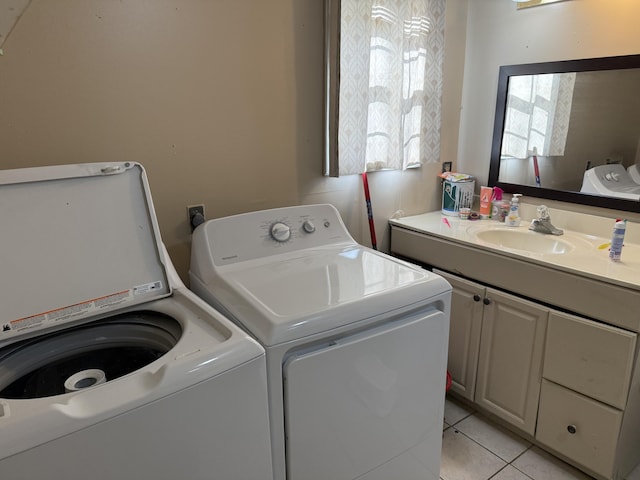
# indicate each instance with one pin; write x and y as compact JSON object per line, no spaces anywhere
{"x":147,"y":287}
{"x":64,"y":314}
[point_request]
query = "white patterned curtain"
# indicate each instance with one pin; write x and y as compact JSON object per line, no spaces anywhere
{"x":538,"y":114}
{"x":391,"y":55}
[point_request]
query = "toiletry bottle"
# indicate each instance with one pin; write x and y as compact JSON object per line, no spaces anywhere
{"x":496,"y":203}
{"x":617,"y":239}
{"x":504,"y":210}
{"x":485,"y":202}
{"x":513,"y":219}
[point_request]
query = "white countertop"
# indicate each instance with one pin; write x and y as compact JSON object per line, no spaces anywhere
{"x":588,"y":256}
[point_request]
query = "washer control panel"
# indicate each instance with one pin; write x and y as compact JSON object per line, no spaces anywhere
{"x":308,"y":226}
{"x":281,"y":232}
{"x":272,"y":232}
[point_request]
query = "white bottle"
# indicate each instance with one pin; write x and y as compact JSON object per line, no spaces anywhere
{"x":617,"y":240}
{"x":513,"y":219}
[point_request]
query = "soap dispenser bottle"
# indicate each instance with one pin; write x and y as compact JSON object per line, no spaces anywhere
{"x":513,"y":219}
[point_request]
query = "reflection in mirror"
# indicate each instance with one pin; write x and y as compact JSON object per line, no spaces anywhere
{"x":570,"y":131}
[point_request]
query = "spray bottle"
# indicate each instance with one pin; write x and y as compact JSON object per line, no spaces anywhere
{"x":617,"y":239}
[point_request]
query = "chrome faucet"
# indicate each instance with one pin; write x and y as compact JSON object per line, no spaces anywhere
{"x":543,"y":224}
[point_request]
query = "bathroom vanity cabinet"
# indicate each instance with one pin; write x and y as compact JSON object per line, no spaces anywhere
{"x":549,"y":351}
{"x":502,"y":343}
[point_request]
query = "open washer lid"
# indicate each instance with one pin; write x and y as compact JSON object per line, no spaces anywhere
{"x":77,"y":241}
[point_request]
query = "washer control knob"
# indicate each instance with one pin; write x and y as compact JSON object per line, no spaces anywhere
{"x":280,"y":232}
{"x":308,"y":226}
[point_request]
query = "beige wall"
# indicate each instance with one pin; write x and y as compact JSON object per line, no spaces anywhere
{"x":499,"y":34}
{"x":220,"y":100}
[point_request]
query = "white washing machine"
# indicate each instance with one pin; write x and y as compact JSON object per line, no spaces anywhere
{"x":109,"y":367}
{"x":611,"y":180}
{"x":356,"y":341}
{"x":634,"y":172}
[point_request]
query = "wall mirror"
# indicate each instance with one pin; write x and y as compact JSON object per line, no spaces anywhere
{"x":558,"y":125}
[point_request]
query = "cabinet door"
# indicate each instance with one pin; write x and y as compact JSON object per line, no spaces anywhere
{"x":464,"y":333}
{"x":510,"y":361}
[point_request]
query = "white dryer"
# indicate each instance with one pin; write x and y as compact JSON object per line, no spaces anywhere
{"x":109,"y":367}
{"x":356,"y":341}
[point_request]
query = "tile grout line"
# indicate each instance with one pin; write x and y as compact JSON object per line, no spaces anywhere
{"x":506,"y":463}
{"x":457,"y":430}
{"x":513,"y":466}
{"x":479,"y":444}
{"x":531,"y":445}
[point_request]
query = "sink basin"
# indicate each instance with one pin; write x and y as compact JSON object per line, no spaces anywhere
{"x":524,"y":240}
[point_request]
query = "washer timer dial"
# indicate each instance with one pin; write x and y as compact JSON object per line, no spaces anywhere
{"x":280,"y":232}
{"x":308,"y":226}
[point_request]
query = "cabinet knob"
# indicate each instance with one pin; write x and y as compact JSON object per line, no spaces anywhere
{"x":486,"y":301}
{"x":476,"y":298}
{"x":572,"y":429}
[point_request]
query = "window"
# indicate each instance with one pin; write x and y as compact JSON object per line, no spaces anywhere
{"x":383,"y":84}
{"x":537,"y":115}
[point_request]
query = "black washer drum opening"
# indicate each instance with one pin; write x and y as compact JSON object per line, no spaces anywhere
{"x":38,"y":367}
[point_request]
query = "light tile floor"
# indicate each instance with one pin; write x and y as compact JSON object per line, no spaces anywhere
{"x":475,"y":449}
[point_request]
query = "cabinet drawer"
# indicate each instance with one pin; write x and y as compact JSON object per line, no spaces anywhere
{"x":589,"y":357}
{"x":595,"y":425}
